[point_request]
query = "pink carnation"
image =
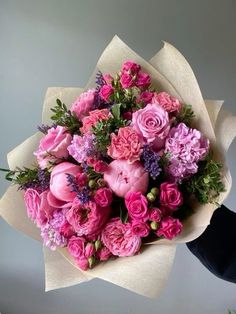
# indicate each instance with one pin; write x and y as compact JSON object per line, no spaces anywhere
{"x":94,"y":117}
{"x":125,"y":145}
{"x":119,"y":239}
{"x":105,"y":92}
{"x":87,"y":219}
{"x":169,"y":228}
{"x":83,"y":104}
{"x":53,"y":146}
{"x":137,"y":206}
{"x":123,"y":177}
{"x":169,"y":103}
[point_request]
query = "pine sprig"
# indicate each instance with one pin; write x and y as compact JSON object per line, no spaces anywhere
{"x":206,"y":184}
{"x":185,"y":115}
{"x":64,"y":117}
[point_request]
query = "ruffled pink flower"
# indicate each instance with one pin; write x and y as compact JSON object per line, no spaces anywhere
{"x":123,"y":177}
{"x":140,"y":229}
{"x":83,"y":104}
{"x":87,"y":219}
{"x":152,"y":123}
{"x":126,"y":80}
{"x":82,"y":147}
{"x":125,"y":145}
{"x":106,"y":91}
{"x":169,"y":103}
{"x":93,"y":118}
{"x":143,"y":80}
{"x":32,"y":203}
{"x":59,"y":184}
{"x":170,"y":196}
{"x":119,"y":239}
{"x":131,"y":67}
{"x":53,"y":146}
{"x":137,"y":206}
{"x":145,"y":97}
{"x":103,"y":197}
{"x":169,"y":228}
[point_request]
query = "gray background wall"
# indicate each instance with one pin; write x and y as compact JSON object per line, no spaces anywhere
{"x":57,"y":43}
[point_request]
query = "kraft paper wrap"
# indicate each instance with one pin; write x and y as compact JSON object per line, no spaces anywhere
{"x":145,"y":273}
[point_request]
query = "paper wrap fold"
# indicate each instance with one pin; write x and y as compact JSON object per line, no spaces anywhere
{"x":147,"y":272}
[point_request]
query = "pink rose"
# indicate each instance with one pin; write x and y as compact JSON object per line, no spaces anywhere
{"x":83,"y":104}
{"x":100,"y":166}
{"x":123,"y":177}
{"x":108,"y":78}
{"x":145,"y":97}
{"x":94,"y":117}
{"x":89,"y":250}
{"x":87,"y":219}
{"x":130,"y":66}
{"x":67,"y":230}
{"x":140,"y":229}
{"x":103,"y":197}
{"x":137,"y":206}
{"x":76,"y":247}
{"x":169,"y":103}
{"x":45,"y":211}
{"x":32,"y":203}
{"x":103,"y":254}
{"x":53,"y":146}
{"x":106,"y":91}
{"x":152,"y":123}
{"x":126,"y":80}
{"x":155,"y":214}
{"x":169,"y":228}
{"x":59,"y":184}
{"x":170,"y":196}
{"x":143,"y":80}
{"x":125,"y":145}
{"x":119,"y":239}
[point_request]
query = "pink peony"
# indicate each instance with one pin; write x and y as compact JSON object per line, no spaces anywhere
{"x":169,"y":103}
{"x":103,"y":197}
{"x":126,"y":80}
{"x":170,"y":196}
{"x":155,"y":214}
{"x":145,"y":97}
{"x":125,"y":145}
{"x":169,"y":228}
{"x":143,"y":80}
{"x":83,"y":104}
{"x":87,"y":219}
{"x":152,"y":123}
{"x":140,"y":229}
{"x":94,"y":117}
{"x":105,"y":92}
{"x":59,"y":184}
{"x":119,"y":239}
{"x":53,"y":147}
{"x":131,"y":67}
{"x":32,"y":203}
{"x":137,"y":206}
{"x":123,"y":177}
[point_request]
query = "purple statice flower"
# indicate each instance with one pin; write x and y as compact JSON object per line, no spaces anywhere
{"x":185,"y":147}
{"x":84,"y":195}
{"x":44,"y":128}
{"x":151,"y":162}
{"x":44,"y":179}
{"x":52,"y":238}
{"x":82,"y":147}
{"x":99,"y":80}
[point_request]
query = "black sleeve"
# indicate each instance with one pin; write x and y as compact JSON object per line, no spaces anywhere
{"x":216,"y":247}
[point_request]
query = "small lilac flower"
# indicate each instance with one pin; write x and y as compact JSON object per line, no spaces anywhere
{"x":52,"y":237}
{"x":82,"y":147}
{"x":150,"y":160}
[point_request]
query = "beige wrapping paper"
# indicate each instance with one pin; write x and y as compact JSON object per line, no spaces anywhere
{"x":147,"y":272}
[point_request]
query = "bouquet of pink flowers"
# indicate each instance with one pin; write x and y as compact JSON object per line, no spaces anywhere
{"x":118,"y":168}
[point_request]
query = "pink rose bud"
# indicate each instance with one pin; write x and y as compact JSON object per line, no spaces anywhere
{"x":170,"y":196}
{"x":130,"y":66}
{"x":169,"y":228}
{"x":105,"y":92}
{"x":100,"y":166}
{"x":108,"y":78}
{"x":76,"y":247}
{"x":103,"y":197}
{"x":169,"y":103}
{"x":81,"y":179}
{"x":123,"y":177}
{"x":143,"y":80}
{"x":91,"y":161}
{"x":83,"y":263}
{"x":83,"y":104}
{"x":140,"y":229}
{"x":59,"y":184}
{"x":155,"y":214}
{"x":137,"y":206}
{"x":67,"y":230}
{"x":127,"y":115}
{"x":126,"y":80}
{"x":89,"y":250}
{"x":145,"y":97}
{"x":104,"y":254}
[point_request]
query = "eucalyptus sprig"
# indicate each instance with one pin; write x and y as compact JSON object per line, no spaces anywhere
{"x":64,"y":117}
{"x":207,"y":183}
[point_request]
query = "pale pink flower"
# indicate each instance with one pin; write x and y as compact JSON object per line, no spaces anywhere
{"x":83,"y":104}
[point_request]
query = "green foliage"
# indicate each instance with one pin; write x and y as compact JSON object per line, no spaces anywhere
{"x":22,"y":176}
{"x":64,"y":117}
{"x":206,"y":185}
{"x":185,"y":115}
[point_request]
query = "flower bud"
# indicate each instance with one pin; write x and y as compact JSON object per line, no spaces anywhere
{"x":97,"y":244}
{"x":151,"y":197}
{"x":154,"y":225}
{"x":155,"y":191}
{"x":92,"y":184}
{"x":91,"y":261}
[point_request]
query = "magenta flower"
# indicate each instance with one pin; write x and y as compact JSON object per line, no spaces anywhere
{"x":169,"y":228}
{"x":137,"y":206}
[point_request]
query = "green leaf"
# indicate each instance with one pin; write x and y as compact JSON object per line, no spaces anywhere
{"x":116,"y":111}
{"x":123,"y":215}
